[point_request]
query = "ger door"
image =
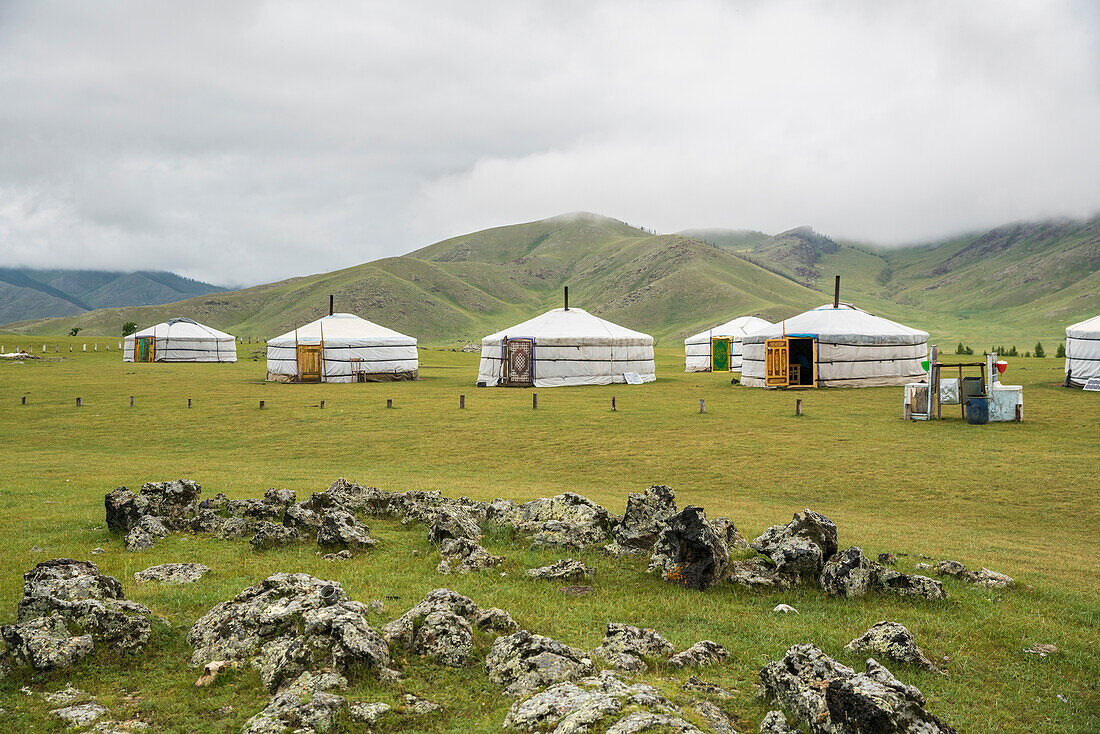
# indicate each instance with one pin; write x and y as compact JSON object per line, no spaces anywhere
{"x":309,"y":363}
{"x":519,"y":362}
{"x":145,"y":348}
{"x":720,"y":348}
{"x":776,"y":363}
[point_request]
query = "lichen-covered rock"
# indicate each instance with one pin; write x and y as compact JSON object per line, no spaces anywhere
{"x":711,"y":690}
{"x":887,"y":559}
{"x":756,"y":573}
{"x":624,"y":646}
{"x":340,"y":530}
{"x":445,"y":637}
{"x":453,"y":522}
{"x":367,"y":713}
{"x":702,"y":653}
{"x":173,"y":573}
{"x":289,"y":624}
{"x":496,"y":620}
{"x":717,"y":722}
{"x":67,"y":696}
{"x":994,"y":580}
{"x":253,"y":508}
{"x":566,"y":705}
{"x":80,"y":715}
{"x":640,"y":525}
{"x":124,"y":508}
{"x":728,"y":532}
{"x":833,"y":699}
{"x":178,"y":499}
{"x":640,"y":721}
{"x":910,"y":584}
{"x":268,"y":535}
{"x":280,"y":498}
{"x":403,"y":629}
{"x":956,"y":570}
{"x":416,"y":706}
{"x":462,"y":555}
{"x":565,"y":520}
{"x":776,"y":723}
{"x":206,"y":521}
{"x":801,"y":547}
{"x":45,"y":643}
{"x":90,"y":601}
{"x":303,"y":708}
{"x":300,"y":518}
{"x":566,"y":568}
{"x":985,"y":577}
{"x":236,"y":528}
{"x":892,"y":641}
{"x":689,"y":551}
{"x":850,"y":574}
{"x":523,"y":662}
{"x":138,"y":540}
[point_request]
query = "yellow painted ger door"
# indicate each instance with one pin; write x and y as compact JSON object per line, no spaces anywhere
{"x":776,"y":363}
{"x":309,"y":363}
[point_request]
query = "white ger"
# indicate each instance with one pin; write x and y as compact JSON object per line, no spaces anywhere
{"x":566,"y":346}
{"x":1083,"y":352}
{"x":719,"y":349}
{"x":179,"y":340}
{"x":341,"y":347}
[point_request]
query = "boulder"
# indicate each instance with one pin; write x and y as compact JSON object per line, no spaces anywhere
{"x":217,"y":502}
{"x":640,"y":525}
{"x":910,"y":584}
{"x":800,"y":548}
{"x":124,"y":509}
{"x":462,"y":555}
{"x":524,"y":662}
{"x":453,"y":522}
{"x":280,"y":498}
{"x":288,"y":624}
{"x":340,"y":530}
{"x":301,"y":519}
{"x":576,"y":707}
{"x":710,"y":690}
{"x":403,"y":629}
{"x":367,"y":713}
{"x":416,"y":706}
{"x":303,"y":708}
{"x":565,"y":520}
{"x":348,"y":496}
{"x":850,"y":574}
{"x":268,"y":535}
{"x":717,"y":722}
{"x":206,"y":521}
{"x":756,"y":573}
{"x":253,"y":508}
{"x":892,"y":641}
{"x":173,"y":573}
{"x":236,"y":528}
{"x":728,"y":532}
{"x":138,"y":540}
{"x":566,"y":568}
{"x":81,"y":714}
{"x":67,"y":696}
{"x":689,"y":551}
{"x":994,"y":580}
{"x":496,"y":620}
{"x":985,"y":577}
{"x":644,"y":721}
{"x":45,"y":643}
{"x":444,"y":636}
{"x":956,"y":570}
{"x":624,"y":647}
{"x":833,"y":699}
{"x":704,"y":652}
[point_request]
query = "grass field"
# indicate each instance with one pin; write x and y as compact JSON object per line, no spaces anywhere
{"x":1017,"y":498}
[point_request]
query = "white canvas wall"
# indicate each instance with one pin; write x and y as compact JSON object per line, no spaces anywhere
{"x":1083,"y":351}
{"x":184,"y":340}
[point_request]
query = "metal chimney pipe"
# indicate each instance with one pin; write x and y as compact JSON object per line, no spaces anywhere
{"x":330,"y":301}
{"x":566,"y":298}
{"x":836,"y":293}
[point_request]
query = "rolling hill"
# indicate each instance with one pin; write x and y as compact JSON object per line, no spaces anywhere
{"x":35,"y":294}
{"x":465,"y":287}
{"x":1015,"y":284}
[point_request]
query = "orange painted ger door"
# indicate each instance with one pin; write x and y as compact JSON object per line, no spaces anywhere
{"x":776,"y":363}
{"x":309,"y":363}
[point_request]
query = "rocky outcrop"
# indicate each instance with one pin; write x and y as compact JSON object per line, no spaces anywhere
{"x":575,"y":707}
{"x":644,"y":721}
{"x":347,"y":496}
{"x":462,"y":555}
{"x":173,"y":573}
{"x":268,"y":535}
{"x":702,"y":653}
{"x":441,"y":626}
{"x":402,"y":630}
{"x":852,"y":574}
{"x":728,"y":532}
{"x":496,"y":620}
{"x":646,"y":513}
{"x":290,"y":624}
{"x":801,"y":547}
{"x":303,"y":707}
{"x":892,"y":641}
{"x":565,"y":520}
{"x":566,"y":568}
{"x":832,"y":698}
{"x":524,"y":662}
{"x":625,"y":647}
{"x":710,"y":690}
{"x":45,"y":643}
{"x":453,"y":522}
{"x":756,"y":573}
{"x":689,"y":551}
{"x":776,"y":723}
{"x":985,"y":577}
{"x":341,"y":530}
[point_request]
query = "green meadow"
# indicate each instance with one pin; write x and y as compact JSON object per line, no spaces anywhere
{"x":1017,"y":498}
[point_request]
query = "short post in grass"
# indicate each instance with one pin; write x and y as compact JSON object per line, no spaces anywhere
{"x":462,"y":402}
{"x":613,"y":408}
{"x":798,"y":406}
{"x":702,"y":405}
{"x":322,"y":405}
{"x":261,"y":405}
{"x":70,"y":349}
{"x":24,"y":402}
{"x":389,"y":402}
{"x":131,"y":401}
{"x":85,"y":348}
{"x":189,"y":403}
{"x":78,"y":402}
{"x":43,"y":348}
{"x":534,"y":401}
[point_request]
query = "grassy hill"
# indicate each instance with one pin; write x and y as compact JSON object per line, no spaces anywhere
{"x":36,"y":294}
{"x":468,"y":286}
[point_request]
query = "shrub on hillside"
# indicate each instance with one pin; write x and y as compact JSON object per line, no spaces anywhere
{"x":1039,"y":351}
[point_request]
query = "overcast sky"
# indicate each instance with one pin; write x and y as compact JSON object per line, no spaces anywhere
{"x":244,"y":142}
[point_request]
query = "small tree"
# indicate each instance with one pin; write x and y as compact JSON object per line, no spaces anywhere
{"x":960,"y":349}
{"x":1061,"y":351}
{"x":1012,"y":352}
{"x":1039,"y":351}
{"x":129,"y":328}
{"x":970,"y":350}
{"x":1027,"y":354}
{"x":74,"y":331}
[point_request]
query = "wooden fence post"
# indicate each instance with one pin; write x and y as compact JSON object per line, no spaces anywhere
{"x":261,"y":405}
{"x":322,"y":405}
{"x":461,"y":402}
{"x":798,"y":406}
{"x":534,"y":401}
{"x":189,"y":403}
{"x":78,"y":403}
{"x":131,"y":401}
{"x":389,"y":402}
{"x":613,"y":408}
{"x":24,"y":400}
{"x":702,"y":405}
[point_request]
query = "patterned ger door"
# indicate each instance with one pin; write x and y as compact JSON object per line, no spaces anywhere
{"x":146,"y":349}
{"x":776,"y":363}
{"x":519,"y":362}
{"x":720,"y":348}
{"x":309,"y":363}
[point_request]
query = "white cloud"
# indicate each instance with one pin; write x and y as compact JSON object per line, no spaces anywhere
{"x":247,"y":142}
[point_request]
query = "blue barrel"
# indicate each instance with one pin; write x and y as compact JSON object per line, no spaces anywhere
{"x":977,"y":410}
